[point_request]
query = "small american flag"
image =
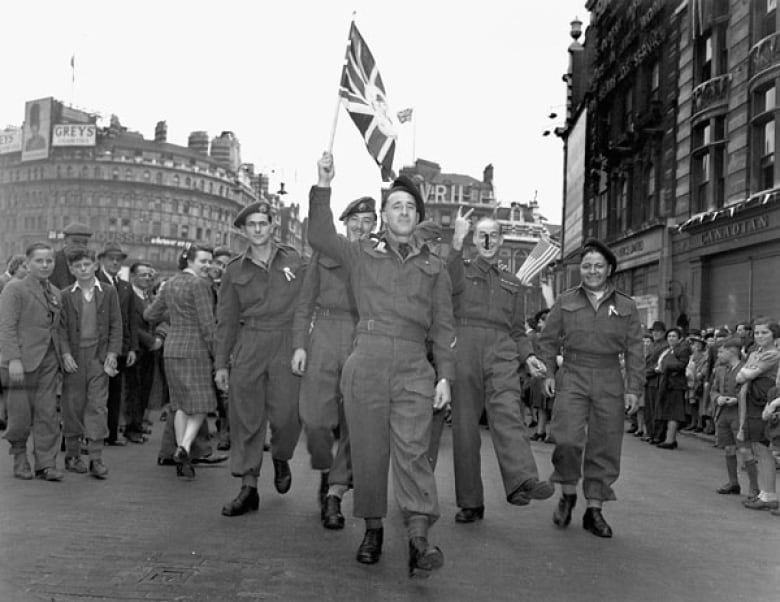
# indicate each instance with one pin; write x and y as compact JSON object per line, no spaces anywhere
{"x":404,"y":115}
{"x":542,"y":255}
{"x":363,"y":94}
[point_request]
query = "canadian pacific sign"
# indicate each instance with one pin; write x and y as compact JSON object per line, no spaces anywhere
{"x":74,"y":134}
{"x":10,"y":140}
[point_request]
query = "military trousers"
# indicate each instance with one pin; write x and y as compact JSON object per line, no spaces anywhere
{"x":84,"y":399}
{"x":262,"y":390}
{"x":321,"y":402}
{"x":587,"y":427}
{"x":487,"y":378}
{"x":32,"y":408}
{"x":388,"y":387}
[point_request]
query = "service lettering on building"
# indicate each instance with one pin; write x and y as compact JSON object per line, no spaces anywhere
{"x":729,"y":231}
{"x":632,"y":248}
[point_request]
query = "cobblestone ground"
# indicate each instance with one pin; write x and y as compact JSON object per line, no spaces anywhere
{"x":144,"y":535}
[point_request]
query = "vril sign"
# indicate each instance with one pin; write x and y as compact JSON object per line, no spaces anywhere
{"x":450,"y":193}
{"x":74,"y":134}
{"x":729,"y":231}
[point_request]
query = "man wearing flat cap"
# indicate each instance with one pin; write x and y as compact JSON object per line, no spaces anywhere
{"x":594,"y":324}
{"x":73,"y":235}
{"x":327,"y":305}
{"x":254,"y":326}
{"x":403,"y":295}
{"x":111,"y":257}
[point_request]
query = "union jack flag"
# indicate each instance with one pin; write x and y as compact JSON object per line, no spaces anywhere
{"x":404,"y":115}
{"x":363,"y":94}
{"x":542,"y":255}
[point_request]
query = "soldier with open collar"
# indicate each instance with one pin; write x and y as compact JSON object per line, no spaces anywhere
{"x":323,"y":335}
{"x":254,"y":327}
{"x":594,"y":324}
{"x":488,"y":306}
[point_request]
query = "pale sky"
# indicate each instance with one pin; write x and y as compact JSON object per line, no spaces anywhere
{"x":482,"y":78}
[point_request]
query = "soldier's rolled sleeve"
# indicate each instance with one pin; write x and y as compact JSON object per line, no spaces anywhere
{"x":228,"y":316}
{"x":549,"y":339}
{"x":322,"y":233}
{"x":304,"y":308}
{"x":443,"y":327}
{"x":634,"y":354}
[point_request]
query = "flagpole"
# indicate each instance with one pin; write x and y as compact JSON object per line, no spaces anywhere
{"x":414,"y":138}
{"x":338,"y":96}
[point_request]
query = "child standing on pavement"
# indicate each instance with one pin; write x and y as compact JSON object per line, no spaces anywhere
{"x":91,"y":335}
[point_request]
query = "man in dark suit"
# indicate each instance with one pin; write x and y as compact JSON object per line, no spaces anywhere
{"x":74,"y":235}
{"x":140,"y":376}
{"x":111,"y":258}
{"x":30,"y":348}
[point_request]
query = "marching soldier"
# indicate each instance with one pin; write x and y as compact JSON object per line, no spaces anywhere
{"x":254,"y":326}
{"x":326,"y":299}
{"x":488,"y":307}
{"x":403,"y":295}
{"x":594,"y":324}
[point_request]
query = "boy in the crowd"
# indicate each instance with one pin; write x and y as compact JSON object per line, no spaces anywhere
{"x":30,"y":350}
{"x":91,"y":335}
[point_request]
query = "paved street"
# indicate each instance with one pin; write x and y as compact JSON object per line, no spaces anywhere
{"x":143,"y":535}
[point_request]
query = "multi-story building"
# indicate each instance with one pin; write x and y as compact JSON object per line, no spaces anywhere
{"x":727,"y":248}
{"x":150,"y":196}
{"x":680,"y":174}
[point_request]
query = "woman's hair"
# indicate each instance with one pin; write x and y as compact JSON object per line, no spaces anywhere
{"x":770,"y":323}
{"x":674,"y":329}
{"x":190,"y":252}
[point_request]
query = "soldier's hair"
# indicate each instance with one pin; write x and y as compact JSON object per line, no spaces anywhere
{"x":15,"y":263}
{"x":74,"y":254}
{"x":37,"y":246}
{"x":190,"y":252}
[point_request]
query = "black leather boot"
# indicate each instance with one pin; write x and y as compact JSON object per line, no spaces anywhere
{"x":423,"y":557}
{"x":562,"y":514}
{"x":371,"y":547}
{"x":247,"y":500}
{"x":282,"y":476}
{"x":323,"y":493}
{"x":470,"y":515}
{"x":332,"y":518}
{"x":594,"y":522}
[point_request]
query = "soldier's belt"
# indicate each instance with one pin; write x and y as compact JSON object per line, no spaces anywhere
{"x":477,"y":323}
{"x":329,"y":313}
{"x":408,"y":332}
{"x":591,"y":360}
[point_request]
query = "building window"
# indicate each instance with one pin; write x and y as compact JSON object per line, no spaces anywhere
{"x":175,"y":179}
{"x":125,"y":224}
{"x":115,"y":174}
{"x":185,"y":231}
{"x":158,"y":177}
{"x":112,"y":224}
{"x":147,"y":175}
{"x":156,"y":228}
{"x":708,"y":167}
{"x":764,"y":140}
{"x":128,"y":174}
{"x":765,"y":15}
{"x":199,"y":234}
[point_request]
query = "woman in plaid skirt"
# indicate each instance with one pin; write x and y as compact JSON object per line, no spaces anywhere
{"x":187,"y":303}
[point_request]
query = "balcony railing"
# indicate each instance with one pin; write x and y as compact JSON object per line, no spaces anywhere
{"x":711,"y":93}
{"x":765,"y":54}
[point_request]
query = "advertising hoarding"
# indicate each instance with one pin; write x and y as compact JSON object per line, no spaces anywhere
{"x":37,"y":129}
{"x":68,"y":134}
{"x":10,"y":140}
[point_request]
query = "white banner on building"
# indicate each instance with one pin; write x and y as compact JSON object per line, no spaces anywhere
{"x":10,"y":140}
{"x":74,"y":134}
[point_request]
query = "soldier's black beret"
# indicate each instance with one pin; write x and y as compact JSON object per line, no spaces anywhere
{"x":364,"y":204}
{"x":258,"y":207}
{"x":406,"y":184}
{"x":593,"y":244}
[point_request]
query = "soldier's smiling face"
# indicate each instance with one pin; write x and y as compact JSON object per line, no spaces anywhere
{"x":594,"y":270}
{"x":360,"y":225}
{"x":258,"y":229}
{"x":487,"y":238}
{"x":400,"y":213}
